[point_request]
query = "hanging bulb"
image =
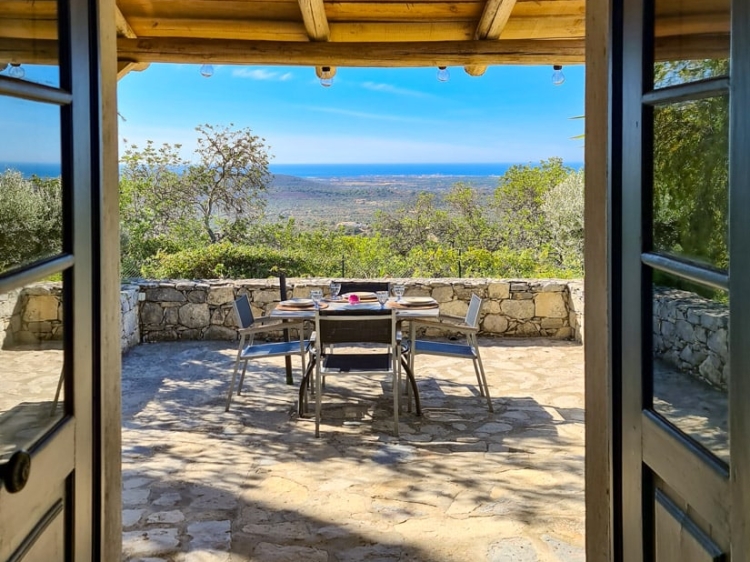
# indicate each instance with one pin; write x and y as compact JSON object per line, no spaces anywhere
{"x":326,"y":76}
{"x":557,"y":75}
{"x":207,"y":70}
{"x":442,"y":74}
{"x":16,"y":71}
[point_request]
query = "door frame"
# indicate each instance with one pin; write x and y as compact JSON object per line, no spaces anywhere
{"x":603,"y":317}
{"x":108,"y":422}
{"x":601,"y":481}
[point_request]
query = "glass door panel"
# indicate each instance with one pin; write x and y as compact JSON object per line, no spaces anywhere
{"x":32,"y":359}
{"x":690,"y":193}
{"x":691,"y":40}
{"x":29,"y":40}
{"x":30,"y":184}
{"x":691,"y":360}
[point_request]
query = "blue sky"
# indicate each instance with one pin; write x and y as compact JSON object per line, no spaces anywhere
{"x":369,"y":115}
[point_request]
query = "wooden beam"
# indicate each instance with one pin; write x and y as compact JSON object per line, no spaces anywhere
{"x":494,"y":18}
{"x":491,"y":25}
{"x":408,"y":54}
{"x":316,"y":22}
{"x":212,"y":28}
{"x":122,"y":25}
{"x":405,"y":54}
{"x":125,"y":67}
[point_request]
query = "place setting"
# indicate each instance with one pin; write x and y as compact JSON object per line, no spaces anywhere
{"x":413,"y":302}
{"x":297,"y":304}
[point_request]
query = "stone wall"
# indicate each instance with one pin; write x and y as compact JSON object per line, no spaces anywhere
{"x":195,"y":310}
{"x":35,"y":314}
{"x":576,"y":304}
{"x":130,"y":328}
{"x":691,"y":333}
{"x":8,"y":303}
{"x":32,"y":314}
{"x":190,"y":310}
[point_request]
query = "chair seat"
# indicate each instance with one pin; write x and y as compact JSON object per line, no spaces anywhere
{"x":441,"y":348}
{"x":275,"y":349}
{"x":356,"y":362}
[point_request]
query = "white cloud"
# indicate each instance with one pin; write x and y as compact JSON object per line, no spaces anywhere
{"x":391,"y":89}
{"x":262,"y":74}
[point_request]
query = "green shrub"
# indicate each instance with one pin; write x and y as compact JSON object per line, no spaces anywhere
{"x":225,"y":260}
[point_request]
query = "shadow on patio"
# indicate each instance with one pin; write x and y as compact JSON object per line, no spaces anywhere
{"x":254,"y":484}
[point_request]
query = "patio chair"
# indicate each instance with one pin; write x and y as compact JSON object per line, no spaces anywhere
{"x":355,"y":327}
{"x":248,"y":327}
{"x":469,"y":326}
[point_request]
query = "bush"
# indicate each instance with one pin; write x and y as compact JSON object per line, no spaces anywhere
{"x":225,"y":260}
{"x":31,"y":218}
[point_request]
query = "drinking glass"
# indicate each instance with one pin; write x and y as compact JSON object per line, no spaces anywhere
{"x":335,"y":288}
{"x":398,"y":290}
{"x":316,"y":295}
{"x":382,"y":297}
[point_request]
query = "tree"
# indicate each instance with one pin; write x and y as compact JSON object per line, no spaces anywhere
{"x":563,"y":212}
{"x":691,"y":168}
{"x":168,"y":203}
{"x":518,"y":200}
{"x":416,"y":224}
{"x":31,"y":215}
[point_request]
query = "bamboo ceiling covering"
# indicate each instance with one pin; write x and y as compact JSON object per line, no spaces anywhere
{"x":469,"y":33}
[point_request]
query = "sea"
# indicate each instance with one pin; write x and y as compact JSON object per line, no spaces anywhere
{"x":324,"y":171}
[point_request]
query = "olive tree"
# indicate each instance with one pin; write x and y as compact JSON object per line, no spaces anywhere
{"x":31,"y":215}
{"x":169,"y":203}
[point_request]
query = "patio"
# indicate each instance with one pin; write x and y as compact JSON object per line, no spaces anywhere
{"x":254,"y":484}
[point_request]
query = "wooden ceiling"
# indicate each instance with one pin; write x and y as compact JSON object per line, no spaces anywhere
{"x":369,"y":33}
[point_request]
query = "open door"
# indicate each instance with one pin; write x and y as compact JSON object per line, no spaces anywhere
{"x":680,"y":204}
{"x":49,"y":292}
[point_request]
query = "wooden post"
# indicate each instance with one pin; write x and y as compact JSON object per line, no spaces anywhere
{"x":287,"y":359}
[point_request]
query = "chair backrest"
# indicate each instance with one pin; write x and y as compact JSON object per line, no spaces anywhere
{"x":355,"y":326}
{"x":472,"y":315}
{"x":243,"y":312}
{"x":363,"y":287}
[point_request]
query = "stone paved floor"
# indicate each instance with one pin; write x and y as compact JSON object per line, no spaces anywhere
{"x":461,"y":484}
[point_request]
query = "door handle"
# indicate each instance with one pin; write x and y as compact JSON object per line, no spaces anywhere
{"x":15,"y":472}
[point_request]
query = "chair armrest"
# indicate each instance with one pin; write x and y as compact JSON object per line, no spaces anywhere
{"x":445,"y":325}
{"x":268,"y":324}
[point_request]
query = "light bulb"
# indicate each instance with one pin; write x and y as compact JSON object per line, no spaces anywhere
{"x":326,"y":76}
{"x":557,"y":75}
{"x":16,"y":71}
{"x":442,"y":74}
{"x":207,"y":70}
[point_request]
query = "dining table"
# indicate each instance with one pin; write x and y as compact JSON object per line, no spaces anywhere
{"x":407,"y":308}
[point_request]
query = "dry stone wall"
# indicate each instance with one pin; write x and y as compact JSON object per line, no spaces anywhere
{"x":34,"y":314}
{"x":190,"y":310}
{"x":691,"y":333}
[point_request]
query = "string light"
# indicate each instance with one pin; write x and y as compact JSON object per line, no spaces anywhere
{"x":326,"y":76}
{"x":16,"y":71}
{"x":557,"y":75}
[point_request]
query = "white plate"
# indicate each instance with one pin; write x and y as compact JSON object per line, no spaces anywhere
{"x":417,"y":300}
{"x":301,"y":303}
